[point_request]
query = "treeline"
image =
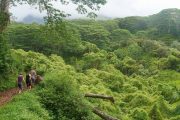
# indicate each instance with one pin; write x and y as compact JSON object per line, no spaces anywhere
{"x":164,"y":26}
{"x":75,"y":39}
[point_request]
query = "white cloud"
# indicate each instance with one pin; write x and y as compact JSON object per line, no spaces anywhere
{"x":113,"y":8}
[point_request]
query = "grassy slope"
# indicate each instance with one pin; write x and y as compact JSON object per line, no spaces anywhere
{"x":25,"y":106}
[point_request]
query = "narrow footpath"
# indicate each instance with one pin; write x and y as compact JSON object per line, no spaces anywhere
{"x":7,"y":96}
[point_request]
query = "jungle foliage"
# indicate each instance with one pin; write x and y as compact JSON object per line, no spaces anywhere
{"x":136,"y":60}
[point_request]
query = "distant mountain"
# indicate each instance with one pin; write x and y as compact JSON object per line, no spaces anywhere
{"x":173,"y":13}
{"x":165,"y":22}
{"x":32,"y":19}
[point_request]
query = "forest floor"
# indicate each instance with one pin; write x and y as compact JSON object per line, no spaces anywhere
{"x":7,"y":95}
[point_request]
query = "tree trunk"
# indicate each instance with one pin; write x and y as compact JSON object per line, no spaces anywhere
{"x":103,"y":115}
{"x":4,"y":19}
{"x":4,"y":14}
{"x":100,"y":96}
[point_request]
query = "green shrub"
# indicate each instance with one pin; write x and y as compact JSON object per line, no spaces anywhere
{"x":128,"y":97}
{"x":139,"y":114}
{"x":8,"y":82}
{"x":61,"y":96}
{"x":137,"y":84}
{"x":169,"y":92}
{"x":140,"y":100}
{"x":155,"y":114}
{"x":127,"y":88}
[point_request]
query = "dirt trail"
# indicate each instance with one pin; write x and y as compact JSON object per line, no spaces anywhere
{"x":7,"y":96}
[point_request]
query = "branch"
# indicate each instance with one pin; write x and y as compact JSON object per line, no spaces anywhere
{"x":103,"y":115}
{"x":100,"y":96}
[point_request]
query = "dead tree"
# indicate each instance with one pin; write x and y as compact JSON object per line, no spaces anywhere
{"x":100,"y":96}
{"x":103,"y":115}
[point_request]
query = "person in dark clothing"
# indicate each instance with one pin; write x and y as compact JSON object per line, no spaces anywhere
{"x":19,"y":82}
{"x":28,"y":80}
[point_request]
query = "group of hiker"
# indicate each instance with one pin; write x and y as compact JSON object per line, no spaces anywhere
{"x":31,"y":79}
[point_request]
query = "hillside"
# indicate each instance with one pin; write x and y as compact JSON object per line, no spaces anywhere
{"x":136,"y":60}
{"x":163,"y":26}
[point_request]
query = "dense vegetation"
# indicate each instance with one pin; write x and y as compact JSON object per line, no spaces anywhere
{"x":135,"y":59}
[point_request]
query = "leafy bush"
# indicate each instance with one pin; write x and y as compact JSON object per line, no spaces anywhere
{"x":137,"y":84}
{"x":60,"y":95}
{"x":155,"y":114}
{"x":139,"y":114}
{"x":169,"y":93}
{"x":140,"y":100}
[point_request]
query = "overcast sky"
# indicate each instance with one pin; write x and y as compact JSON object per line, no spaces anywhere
{"x":113,"y":8}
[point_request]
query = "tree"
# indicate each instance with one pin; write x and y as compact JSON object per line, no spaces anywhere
{"x":94,"y":60}
{"x":109,"y":25}
{"x":120,"y":34}
{"x":4,"y":19}
{"x":96,"y":34}
{"x":53,"y":15}
{"x":173,"y":63}
{"x":83,"y":7}
{"x":120,"y":38}
{"x":4,"y":14}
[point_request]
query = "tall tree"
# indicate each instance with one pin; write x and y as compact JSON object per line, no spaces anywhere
{"x":4,"y":14}
{"x":4,"y":19}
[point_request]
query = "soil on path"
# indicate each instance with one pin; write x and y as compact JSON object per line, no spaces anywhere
{"x":7,"y":96}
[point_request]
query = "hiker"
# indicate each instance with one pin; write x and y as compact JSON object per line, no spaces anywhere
{"x":33,"y":76}
{"x":28,"y":80}
{"x":19,"y":82}
{"x":38,"y":79}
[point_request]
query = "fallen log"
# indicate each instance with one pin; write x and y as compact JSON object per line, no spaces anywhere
{"x":100,"y":96}
{"x":103,"y":115}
